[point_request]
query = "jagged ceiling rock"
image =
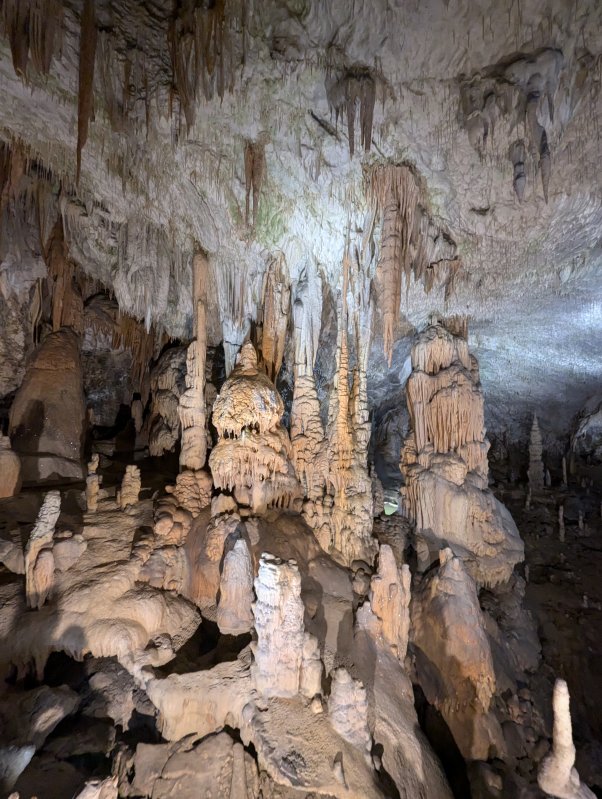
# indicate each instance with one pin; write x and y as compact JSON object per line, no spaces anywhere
{"x":454,"y":90}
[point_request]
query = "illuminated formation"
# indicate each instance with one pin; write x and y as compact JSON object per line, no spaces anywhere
{"x":268,"y":528}
{"x":252,"y":458}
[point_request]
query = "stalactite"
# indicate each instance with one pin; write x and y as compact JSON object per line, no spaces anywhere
{"x":85,"y":98}
{"x":517,"y":154}
{"x":254,"y":176}
{"x":67,"y":302}
{"x":356,"y":87}
{"x":275,"y":310}
{"x":34,"y":29}
{"x":410,"y":243}
{"x":201,"y":53}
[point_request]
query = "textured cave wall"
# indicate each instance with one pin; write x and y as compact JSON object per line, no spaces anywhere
{"x":162,"y":175}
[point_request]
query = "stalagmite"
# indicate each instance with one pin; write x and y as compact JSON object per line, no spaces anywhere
{"x":192,"y":491}
{"x":565,"y":481}
{"x":130,"y":487}
{"x":252,"y":458}
{"x":308,"y":439}
{"x":47,"y":416}
{"x":278,"y":612}
{"x":390,"y":600}
{"x":536,"y":467}
{"x":39,"y":560}
{"x":444,"y":461}
{"x":234,"y":613}
{"x":557,"y":775}
{"x":348,"y":710}
{"x":348,"y":477}
{"x":449,"y":631}
{"x":10,"y":469}
{"x":167,"y":385}
{"x":191,"y":409}
{"x":561,"y":529}
{"x":93,"y":481}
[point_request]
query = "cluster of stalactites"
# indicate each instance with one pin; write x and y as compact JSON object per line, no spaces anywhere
{"x":253,"y":457}
{"x":410,"y":243}
{"x":445,"y":400}
{"x":34,"y":29}
{"x":248,"y":401}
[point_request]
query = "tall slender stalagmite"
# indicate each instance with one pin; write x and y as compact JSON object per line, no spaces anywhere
{"x":536,"y":469}
{"x":191,"y":409}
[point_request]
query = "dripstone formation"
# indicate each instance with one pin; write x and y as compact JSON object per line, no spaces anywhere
{"x":300,"y":415}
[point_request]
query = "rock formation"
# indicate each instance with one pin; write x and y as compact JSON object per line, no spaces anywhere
{"x":390,"y":600}
{"x":130,"y":487}
{"x":252,"y":458}
{"x":278,"y":612}
{"x":348,"y":710}
{"x":10,"y":469}
{"x":536,"y":468}
{"x":48,"y":412}
{"x":454,"y":656}
{"x":444,"y":461}
{"x":208,"y":281}
{"x":234,"y":614}
{"x":166,"y":385}
{"x":93,"y":481}
{"x":557,"y":773}
{"x":39,"y":560}
{"x":192,"y":401}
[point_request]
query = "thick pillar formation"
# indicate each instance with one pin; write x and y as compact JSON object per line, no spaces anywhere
{"x":167,"y":385}
{"x":48,"y":413}
{"x":278,"y":612}
{"x":444,"y":461}
{"x":450,"y":638}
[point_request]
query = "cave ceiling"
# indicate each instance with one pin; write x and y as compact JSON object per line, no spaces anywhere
{"x":458,"y":88}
